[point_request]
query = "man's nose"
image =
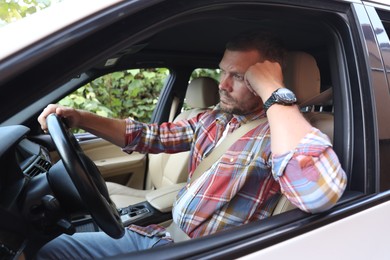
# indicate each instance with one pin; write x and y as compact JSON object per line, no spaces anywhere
{"x":225,"y":83}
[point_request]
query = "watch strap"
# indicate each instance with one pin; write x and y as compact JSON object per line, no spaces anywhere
{"x":270,"y":101}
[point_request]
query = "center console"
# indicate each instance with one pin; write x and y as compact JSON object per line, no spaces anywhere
{"x":142,"y":214}
{"x":157,"y":208}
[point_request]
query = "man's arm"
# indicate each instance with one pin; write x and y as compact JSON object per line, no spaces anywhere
{"x":303,"y":161}
{"x":113,"y":130}
{"x":310,"y":176}
{"x":287,"y":124}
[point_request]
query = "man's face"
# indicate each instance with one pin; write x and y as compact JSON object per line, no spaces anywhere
{"x":235,"y":97}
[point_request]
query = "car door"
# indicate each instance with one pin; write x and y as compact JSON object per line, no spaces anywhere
{"x":380,"y":17}
{"x":114,"y":164}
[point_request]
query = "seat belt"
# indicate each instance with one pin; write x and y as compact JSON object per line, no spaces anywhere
{"x":174,"y":230}
{"x":218,"y":151}
{"x":176,"y":233}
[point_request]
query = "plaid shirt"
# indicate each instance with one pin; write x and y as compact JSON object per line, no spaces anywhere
{"x":245,"y":184}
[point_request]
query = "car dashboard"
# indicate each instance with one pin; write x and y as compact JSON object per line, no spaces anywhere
{"x":20,"y":161}
{"x":21,"y":158}
{"x":38,"y":199}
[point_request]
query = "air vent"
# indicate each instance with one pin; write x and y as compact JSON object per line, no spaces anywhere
{"x":39,"y":166}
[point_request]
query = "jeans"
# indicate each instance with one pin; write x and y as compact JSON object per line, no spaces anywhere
{"x":92,"y":245}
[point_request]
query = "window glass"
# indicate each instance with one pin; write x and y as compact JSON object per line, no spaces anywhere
{"x":130,"y":93}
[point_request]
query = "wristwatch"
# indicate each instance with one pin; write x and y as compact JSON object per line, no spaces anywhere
{"x":282,"y":96}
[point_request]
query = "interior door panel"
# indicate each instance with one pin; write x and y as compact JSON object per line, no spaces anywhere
{"x":116,"y":165}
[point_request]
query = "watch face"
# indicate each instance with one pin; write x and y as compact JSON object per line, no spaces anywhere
{"x":281,"y":96}
{"x":285,"y":96}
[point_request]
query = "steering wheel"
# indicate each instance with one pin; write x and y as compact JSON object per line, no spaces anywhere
{"x":86,"y":177}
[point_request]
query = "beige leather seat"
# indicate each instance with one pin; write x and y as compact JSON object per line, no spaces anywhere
{"x":169,"y":169}
{"x":302,"y":76}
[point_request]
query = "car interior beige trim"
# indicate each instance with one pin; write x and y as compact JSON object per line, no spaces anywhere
{"x":114,"y":164}
{"x":162,"y":199}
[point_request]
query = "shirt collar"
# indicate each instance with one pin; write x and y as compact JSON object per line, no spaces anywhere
{"x":224,"y":118}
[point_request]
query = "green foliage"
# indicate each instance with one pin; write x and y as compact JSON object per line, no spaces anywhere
{"x":212,"y":73}
{"x":13,"y":10}
{"x":131,"y":93}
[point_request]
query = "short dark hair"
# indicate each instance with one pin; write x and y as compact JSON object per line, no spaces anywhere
{"x":267,"y":44}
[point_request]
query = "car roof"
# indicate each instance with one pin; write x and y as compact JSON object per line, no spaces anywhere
{"x":36,"y":27}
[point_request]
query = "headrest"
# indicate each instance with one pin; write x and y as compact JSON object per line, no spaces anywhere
{"x":202,"y":92}
{"x":302,"y":76}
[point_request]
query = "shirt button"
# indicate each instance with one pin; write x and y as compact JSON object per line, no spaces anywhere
{"x":231,"y":159}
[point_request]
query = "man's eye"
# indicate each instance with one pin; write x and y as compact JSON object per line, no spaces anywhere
{"x":239,"y":77}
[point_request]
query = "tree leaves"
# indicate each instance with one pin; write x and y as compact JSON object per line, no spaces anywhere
{"x":13,"y":10}
{"x":131,"y":93}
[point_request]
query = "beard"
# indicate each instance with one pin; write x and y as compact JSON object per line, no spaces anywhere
{"x":231,"y":105}
{"x":231,"y":110}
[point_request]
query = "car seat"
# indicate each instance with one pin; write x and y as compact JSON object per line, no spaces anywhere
{"x":170,"y":169}
{"x":302,"y":76}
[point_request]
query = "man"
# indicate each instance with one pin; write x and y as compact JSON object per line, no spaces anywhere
{"x":284,"y":153}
